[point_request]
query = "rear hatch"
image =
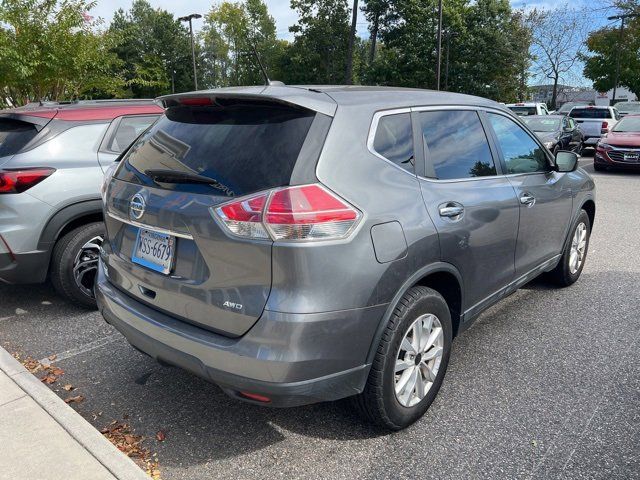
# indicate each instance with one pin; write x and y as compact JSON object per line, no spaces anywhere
{"x":592,"y":121}
{"x":165,"y":246}
{"x":17,"y":132}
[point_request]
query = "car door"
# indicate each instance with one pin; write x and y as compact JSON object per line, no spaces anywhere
{"x":472,"y":205}
{"x":122,"y":132}
{"x":544,"y":195}
{"x":576,"y":134}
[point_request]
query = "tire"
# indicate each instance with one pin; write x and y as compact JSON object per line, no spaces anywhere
{"x":69,"y":253}
{"x":565,"y":273}
{"x":379,"y":403}
{"x":598,"y":168}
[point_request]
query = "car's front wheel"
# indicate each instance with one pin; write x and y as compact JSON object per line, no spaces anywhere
{"x":410,"y":362}
{"x":574,"y":255}
{"x":75,"y":263}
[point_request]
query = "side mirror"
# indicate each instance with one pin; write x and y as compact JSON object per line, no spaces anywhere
{"x":566,"y":161}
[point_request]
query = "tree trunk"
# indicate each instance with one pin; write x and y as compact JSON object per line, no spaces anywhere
{"x":374,"y":38}
{"x":348,"y":76}
{"x":554,"y":93}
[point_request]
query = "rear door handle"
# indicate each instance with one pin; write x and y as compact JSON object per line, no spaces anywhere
{"x":451,"y":210}
{"x":527,"y":199}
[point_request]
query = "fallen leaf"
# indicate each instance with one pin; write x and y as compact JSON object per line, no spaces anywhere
{"x":160,"y":436}
{"x":49,"y":379}
{"x":52,"y":357}
{"x":76,"y":399}
{"x":56,"y":371}
{"x":68,"y":387}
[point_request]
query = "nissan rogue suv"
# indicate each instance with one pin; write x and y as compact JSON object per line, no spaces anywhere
{"x":52,"y":157}
{"x":304,"y":244}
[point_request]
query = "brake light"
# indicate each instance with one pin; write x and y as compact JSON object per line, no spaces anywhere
{"x":308,"y":212}
{"x":17,"y":181}
{"x":196,"y":101}
{"x":604,"y":128}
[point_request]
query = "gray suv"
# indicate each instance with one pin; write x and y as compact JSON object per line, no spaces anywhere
{"x":52,"y":157}
{"x":303,"y":244}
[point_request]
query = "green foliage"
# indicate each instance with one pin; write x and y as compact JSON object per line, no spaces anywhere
{"x":230,"y":33}
{"x":488,"y":47}
{"x":603,"y":47}
{"x":152,"y":45}
{"x":50,"y":51}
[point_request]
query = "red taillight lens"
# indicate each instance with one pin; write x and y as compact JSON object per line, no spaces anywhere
{"x":196,"y":101}
{"x":244,"y":217}
{"x":605,"y":125}
{"x":17,"y":181}
{"x":309,"y":212}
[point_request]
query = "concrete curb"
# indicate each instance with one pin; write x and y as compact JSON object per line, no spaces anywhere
{"x":117,"y":463}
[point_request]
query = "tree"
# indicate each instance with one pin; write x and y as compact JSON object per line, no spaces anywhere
{"x":319,"y":50}
{"x":230,"y":33}
{"x":155,"y":50}
{"x":603,"y":47}
{"x":558,"y":40}
{"x":53,"y":51}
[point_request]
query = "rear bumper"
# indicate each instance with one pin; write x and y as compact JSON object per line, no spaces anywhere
{"x":22,"y":268}
{"x":294,"y":359}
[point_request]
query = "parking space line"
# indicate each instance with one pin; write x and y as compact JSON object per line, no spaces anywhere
{"x":87,"y":347}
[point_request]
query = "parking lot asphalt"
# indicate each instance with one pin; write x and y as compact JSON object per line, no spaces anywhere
{"x":545,"y":385}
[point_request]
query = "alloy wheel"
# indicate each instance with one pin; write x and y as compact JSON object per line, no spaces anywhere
{"x":418,"y":360}
{"x":578,"y":248}
{"x":85,"y":266}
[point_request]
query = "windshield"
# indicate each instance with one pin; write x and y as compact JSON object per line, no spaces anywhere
{"x":628,"y":107}
{"x":242,"y":148}
{"x":628,"y":124}
{"x":14,"y":135}
{"x":523,"y":111}
{"x":590,"y":113}
{"x":538,"y":124}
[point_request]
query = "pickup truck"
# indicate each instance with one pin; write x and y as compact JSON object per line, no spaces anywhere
{"x":594,"y":121}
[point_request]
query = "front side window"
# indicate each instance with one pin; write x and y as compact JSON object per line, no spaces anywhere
{"x":456,"y":144}
{"x":521,"y":153}
{"x":394,"y":140}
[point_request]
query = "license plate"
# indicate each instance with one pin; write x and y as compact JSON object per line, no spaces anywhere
{"x":154,"y":250}
{"x":631,"y":157}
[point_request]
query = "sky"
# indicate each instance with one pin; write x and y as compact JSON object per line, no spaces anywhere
{"x":284,"y":16}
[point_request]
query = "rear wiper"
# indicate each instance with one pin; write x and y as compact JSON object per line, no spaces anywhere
{"x":174,"y":176}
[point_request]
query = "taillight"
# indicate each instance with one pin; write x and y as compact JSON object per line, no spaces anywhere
{"x":308,"y":212}
{"x":604,"y":128}
{"x":17,"y":181}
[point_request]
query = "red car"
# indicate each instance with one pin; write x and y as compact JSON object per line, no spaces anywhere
{"x":620,"y":148}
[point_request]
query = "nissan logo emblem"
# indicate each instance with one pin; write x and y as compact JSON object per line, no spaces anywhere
{"x":137,"y":206}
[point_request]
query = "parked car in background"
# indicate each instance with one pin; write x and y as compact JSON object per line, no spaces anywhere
{"x":566,"y":107}
{"x":557,"y":132}
{"x":528,"y":108}
{"x":52,"y":158}
{"x":620,"y":148}
{"x":594,"y":122}
{"x":294,"y":245}
{"x":628,"y":108}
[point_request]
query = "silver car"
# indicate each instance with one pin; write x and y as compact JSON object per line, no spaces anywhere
{"x":304,"y":244}
{"x":52,"y":158}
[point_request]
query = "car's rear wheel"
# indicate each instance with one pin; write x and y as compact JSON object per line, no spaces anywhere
{"x":75,"y":263}
{"x":410,"y":362}
{"x":574,"y":256}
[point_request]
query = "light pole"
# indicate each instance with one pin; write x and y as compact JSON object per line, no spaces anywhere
{"x":189,"y":18}
{"x":448,"y":34}
{"x":439,"y":51}
{"x":619,"y":17}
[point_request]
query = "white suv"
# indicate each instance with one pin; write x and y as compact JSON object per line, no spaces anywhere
{"x":528,"y":108}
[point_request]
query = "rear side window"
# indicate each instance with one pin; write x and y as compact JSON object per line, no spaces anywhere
{"x":590,"y":113}
{"x":14,"y":135}
{"x":128,"y":129}
{"x":243,"y":148}
{"x":394,"y":140}
{"x":456,"y":144}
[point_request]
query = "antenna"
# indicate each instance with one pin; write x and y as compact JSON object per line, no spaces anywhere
{"x":262,"y":69}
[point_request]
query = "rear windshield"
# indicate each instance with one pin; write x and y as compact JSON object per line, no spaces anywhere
{"x":14,"y":135}
{"x":243,"y":148}
{"x":590,"y":113}
{"x":523,"y":111}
